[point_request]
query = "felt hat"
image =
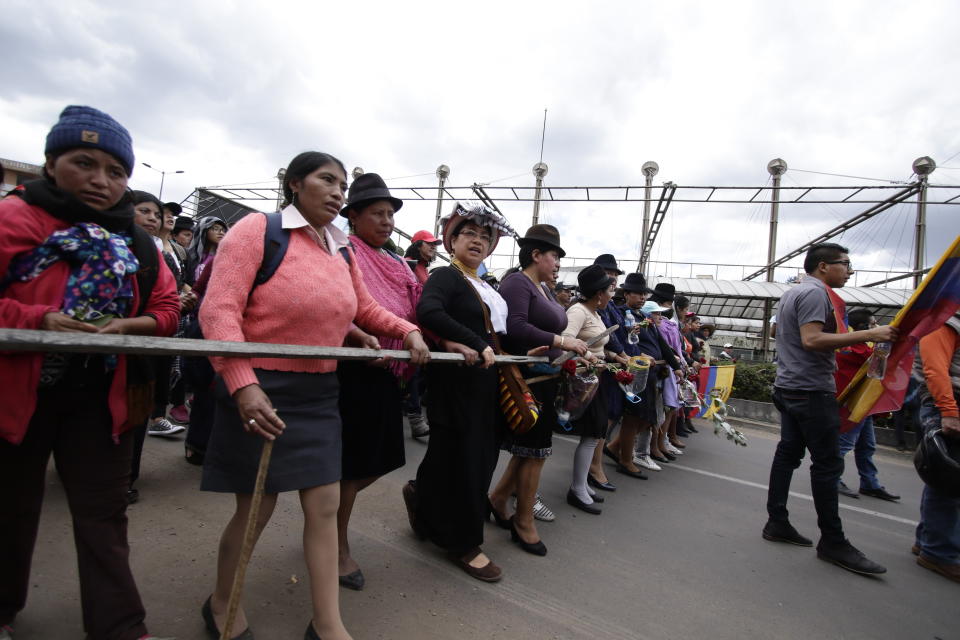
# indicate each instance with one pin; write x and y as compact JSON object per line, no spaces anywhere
{"x":608,"y":262}
{"x":366,"y":189}
{"x":91,"y":128}
{"x":664,"y":292}
{"x":636,"y":283}
{"x":543,"y":234}
{"x":593,"y":279}
{"x":182,"y":223}
{"x":425,"y":236}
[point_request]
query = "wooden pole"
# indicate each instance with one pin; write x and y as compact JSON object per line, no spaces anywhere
{"x":249,"y":535}
{"x":61,"y":342}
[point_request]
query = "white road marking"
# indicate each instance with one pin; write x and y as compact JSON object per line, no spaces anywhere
{"x":757,"y":485}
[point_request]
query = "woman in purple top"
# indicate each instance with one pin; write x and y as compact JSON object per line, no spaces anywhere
{"x":534,"y":321}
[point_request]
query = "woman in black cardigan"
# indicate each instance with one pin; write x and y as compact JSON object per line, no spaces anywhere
{"x":448,"y":501}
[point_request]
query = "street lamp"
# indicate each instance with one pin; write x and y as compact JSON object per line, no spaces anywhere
{"x":163,"y":174}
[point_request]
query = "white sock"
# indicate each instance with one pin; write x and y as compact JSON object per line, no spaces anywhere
{"x":643,"y":444}
{"x":582,"y":458}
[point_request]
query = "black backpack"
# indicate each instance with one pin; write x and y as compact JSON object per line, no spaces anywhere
{"x":276,"y":239}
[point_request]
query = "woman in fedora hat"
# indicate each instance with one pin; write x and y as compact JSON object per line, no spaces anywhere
{"x":534,"y":321}
{"x":448,"y":501}
{"x":584,"y":323}
{"x":664,"y":294}
{"x":372,"y":431}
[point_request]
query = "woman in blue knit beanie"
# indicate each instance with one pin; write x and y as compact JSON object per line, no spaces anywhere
{"x":71,"y":259}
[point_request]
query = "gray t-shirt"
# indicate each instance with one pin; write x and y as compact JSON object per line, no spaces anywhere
{"x":798,"y":368}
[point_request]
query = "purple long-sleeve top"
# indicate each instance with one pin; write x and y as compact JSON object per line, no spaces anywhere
{"x":533,"y":320}
{"x":671,"y":335}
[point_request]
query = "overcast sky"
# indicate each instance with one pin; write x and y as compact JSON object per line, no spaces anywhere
{"x":229,"y":92}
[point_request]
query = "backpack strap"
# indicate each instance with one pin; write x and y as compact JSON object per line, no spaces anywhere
{"x":346,"y":256}
{"x":147,"y":255}
{"x":276,"y":239}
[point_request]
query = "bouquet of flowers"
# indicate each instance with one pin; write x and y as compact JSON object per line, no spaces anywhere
{"x":625,"y":379}
{"x":689,"y":395}
{"x":720,"y":424}
{"x":578,"y":386}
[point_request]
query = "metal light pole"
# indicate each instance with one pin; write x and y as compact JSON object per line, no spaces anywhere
{"x":649,"y":169}
{"x":163,"y":175}
{"x":443,"y":172}
{"x":281,"y":174}
{"x":776,"y":167}
{"x":923,"y":167}
{"x":539,"y":171}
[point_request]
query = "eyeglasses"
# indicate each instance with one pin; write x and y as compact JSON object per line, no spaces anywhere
{"x":473,"y":235}
{"x":846,"y":263}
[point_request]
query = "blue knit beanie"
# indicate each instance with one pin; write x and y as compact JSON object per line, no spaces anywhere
{"x":89,"y":127}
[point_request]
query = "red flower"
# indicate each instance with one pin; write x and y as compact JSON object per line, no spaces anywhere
{"x":624,"y":377}
{"x":570,"y":366}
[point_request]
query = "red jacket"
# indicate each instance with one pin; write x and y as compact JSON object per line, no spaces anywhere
{"x":23,"y":304}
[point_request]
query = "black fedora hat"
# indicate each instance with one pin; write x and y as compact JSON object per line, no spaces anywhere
{"x":543,"y":234}
{"x":608,"y":262}
{"x":174,"y":207}
{"x":664,"y":292}
{"x":367,"y":188}
{"x":593,"y":279}
{"x":636,"y":283}
{"x":182,"y":223}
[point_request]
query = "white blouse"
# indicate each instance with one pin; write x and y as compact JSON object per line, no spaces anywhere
{"x":495,"y":303}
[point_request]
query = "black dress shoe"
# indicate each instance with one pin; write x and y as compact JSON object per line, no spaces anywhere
{"x":310,"y":633}
{"x":659,"y":459}
{"x":503,"y":523}
{"x":633,"y":474}
{"x":691,"y":428}
{"x":536,"y":548}
{"x":596,"y":497}
{"x":603,"y":486}
{"x":784,"y":532}
{"x":669,"y":456}
{"x":848,"y":557}
{"x":609,"y":454}
{"x":212,"y":631}
{"x":353,"y":580}
{"x":881,"y":493}
{"x":574,"y":501}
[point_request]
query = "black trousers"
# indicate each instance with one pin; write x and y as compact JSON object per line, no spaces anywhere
{"x":808,"y":420}
{"x":73,"y":422}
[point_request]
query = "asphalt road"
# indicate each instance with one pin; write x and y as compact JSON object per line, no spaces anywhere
{"x":677,"y":556}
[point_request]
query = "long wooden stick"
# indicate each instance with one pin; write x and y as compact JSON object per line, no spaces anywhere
{"x":249,"y":534}
{"x":43,"y":341}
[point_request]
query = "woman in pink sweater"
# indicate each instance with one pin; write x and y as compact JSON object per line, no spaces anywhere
{"x":314,"y":298}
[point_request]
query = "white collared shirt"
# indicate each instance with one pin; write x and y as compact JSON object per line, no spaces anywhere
{"x":291,"y":218}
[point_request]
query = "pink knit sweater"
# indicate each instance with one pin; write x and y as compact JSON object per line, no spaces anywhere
{"x":312,"y":299}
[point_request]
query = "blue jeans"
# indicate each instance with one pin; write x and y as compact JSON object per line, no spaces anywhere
{"x":808,"y":420}
{"x":863,"y":440}
{"x":938,"y":534}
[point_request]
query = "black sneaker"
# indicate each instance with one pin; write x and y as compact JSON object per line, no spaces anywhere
{"x":881,"y":493}
{"x":848,"y":557}
{"x":784,"y":532}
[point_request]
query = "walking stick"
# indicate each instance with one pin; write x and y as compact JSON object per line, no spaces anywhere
{"x":248,"y":536}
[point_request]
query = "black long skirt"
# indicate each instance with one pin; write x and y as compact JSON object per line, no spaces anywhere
{"x":466,"y":428}
{"x":370,"y":409}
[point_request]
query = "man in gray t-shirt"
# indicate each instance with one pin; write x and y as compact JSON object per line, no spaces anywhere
{"x":798,"y":368}
{"x":804,"y":393}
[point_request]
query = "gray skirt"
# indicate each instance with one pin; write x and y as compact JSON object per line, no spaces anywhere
{"x":307,"y":453}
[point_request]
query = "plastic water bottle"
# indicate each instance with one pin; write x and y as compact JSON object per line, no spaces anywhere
{"x":877,"y":367}
{"x":628,"y":322}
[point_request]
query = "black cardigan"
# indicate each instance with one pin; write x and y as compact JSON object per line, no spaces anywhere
{"x":450,"y":309}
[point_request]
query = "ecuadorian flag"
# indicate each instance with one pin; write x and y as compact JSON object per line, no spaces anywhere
{"x":711,"y":378}
{"x":935,"y":300}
